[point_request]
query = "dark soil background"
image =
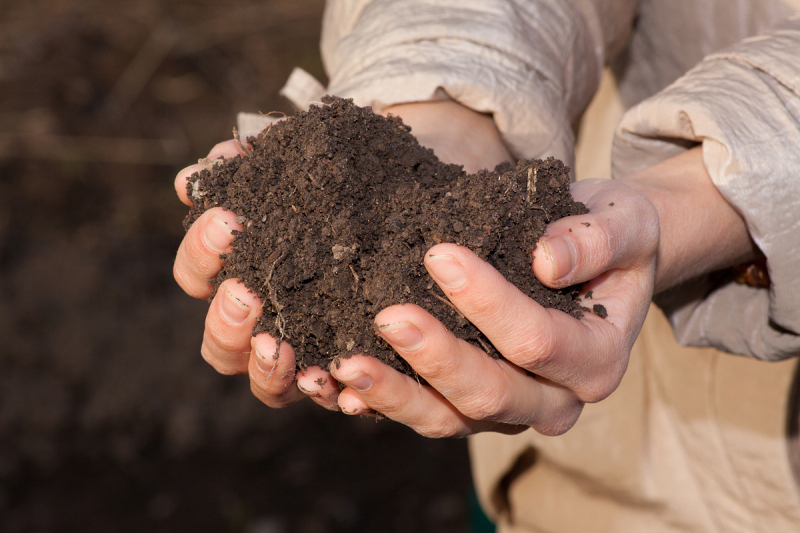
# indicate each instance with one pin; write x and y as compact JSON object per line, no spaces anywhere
{"x":109,"y":418}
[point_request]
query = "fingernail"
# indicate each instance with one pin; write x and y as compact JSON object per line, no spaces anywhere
{"x":217,"y":235}
{"x":562,"y":255}
{"x":265,"y":364}
{"x":402,"y":335}
{"x":233,"y":309}
{"x":446,"y":269}
{"x":352,"y":406}
{"x":359,"y":381}
{"x":308,"y":392}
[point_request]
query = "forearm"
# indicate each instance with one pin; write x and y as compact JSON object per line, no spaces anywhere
{"x":700,"y":231}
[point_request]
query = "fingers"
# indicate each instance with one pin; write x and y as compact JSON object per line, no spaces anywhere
{"x":228,"y":344}
{"x":620,"y":231}
{"x":272,"y":379}
{"x":320,"y":386}
{"x":198,"y":255}
{"x":480,"y":387}
{"x":569,"y":361}
{"x":471,"y":391}
{"x":224,"y":149}
{"x":579,"y":354}
{"x":229,"y":347}
{"x":371,"y":385}
{"x":198,"y":258}
{"x":180,"y":183}
{"x":229,"y":327}
{"x":400,"y":398}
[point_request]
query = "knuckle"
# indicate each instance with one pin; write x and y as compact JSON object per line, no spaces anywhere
{"x":439,"y":424}
{"x":278,"y":400}
{"x":646,"y":210}
{"x":491,"y":410}
{"x":594,"y":395}
{"x":271,"y":382}
{"x":534,"y":351}
{"x":435,"y":369}
{"x":489,"y":407}
{"x":480,"y":305}
{"x":604,"y":380}
{"x":650,"y":232}
{"x":190,"y":284}
{"x":598,"y":389}
{"x":639,"y":231}
{"x":228,"y":362}
{"x":603,"y":248}
{"x":181,"y":278}
{"x":224,"y":343}
{"x":199,"y":258}
{"x":220,"y":364}
{"x":563,"y":423}
{"x":440,"y":430}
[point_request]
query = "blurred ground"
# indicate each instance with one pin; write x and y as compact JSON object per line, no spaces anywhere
{"x":109,"y":418}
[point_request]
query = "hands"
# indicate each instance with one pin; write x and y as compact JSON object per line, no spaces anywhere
{"x":228,"y":344}
{"x":654,"y":229}
{"x":553,"y":363}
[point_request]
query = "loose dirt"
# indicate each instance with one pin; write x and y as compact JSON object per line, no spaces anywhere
{"x":339,"y":206}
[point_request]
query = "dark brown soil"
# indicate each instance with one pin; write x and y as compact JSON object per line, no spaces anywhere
{"x":339,"y":206}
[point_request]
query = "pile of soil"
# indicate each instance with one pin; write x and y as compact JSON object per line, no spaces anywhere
{"x":339,"y":206}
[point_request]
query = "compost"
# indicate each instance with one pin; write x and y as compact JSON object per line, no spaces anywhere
{"x":338,"y":207}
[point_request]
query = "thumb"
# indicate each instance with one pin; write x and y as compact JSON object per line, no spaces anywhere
{"x":620,"y":231}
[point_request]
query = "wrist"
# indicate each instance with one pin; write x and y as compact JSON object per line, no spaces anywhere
{"x":700,"y":231}
{"x":456,"y":133}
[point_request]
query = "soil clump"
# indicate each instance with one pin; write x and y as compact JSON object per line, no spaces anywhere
{"x":339,"y":206}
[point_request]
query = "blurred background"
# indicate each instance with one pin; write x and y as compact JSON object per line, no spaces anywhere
{"x":109,"y":418}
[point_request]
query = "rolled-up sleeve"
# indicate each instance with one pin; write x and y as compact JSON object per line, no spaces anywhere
{"x":743,"y":105}
{"x":533,"y":65}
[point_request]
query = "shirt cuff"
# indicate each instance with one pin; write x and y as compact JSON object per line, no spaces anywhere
{"x":743,"y":105}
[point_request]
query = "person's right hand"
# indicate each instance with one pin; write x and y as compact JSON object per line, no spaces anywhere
{"x":228,"y":343}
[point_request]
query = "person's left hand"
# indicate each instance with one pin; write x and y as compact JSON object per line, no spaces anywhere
{"x":553,"y":363}
{"x":228,"y":343}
